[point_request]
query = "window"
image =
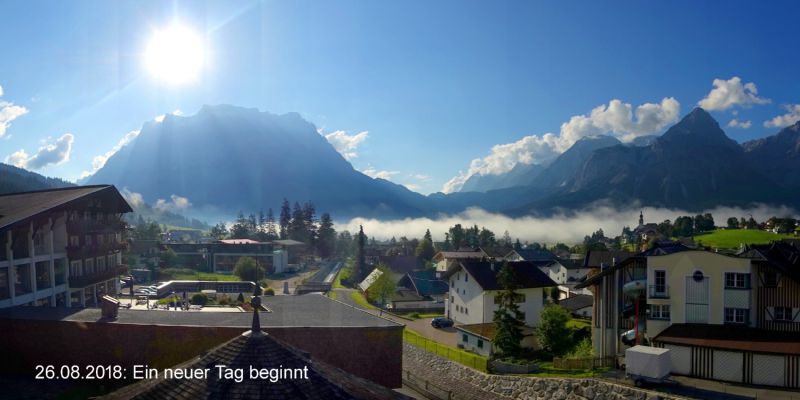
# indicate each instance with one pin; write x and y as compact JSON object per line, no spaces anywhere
{"x":464,"y":338}
{"x":783,"y":314}
{"x":659,"y":311}
{"x":735,"y":280}
{"x":75,"y":269}
{"x":660,"y":281}
{"x":99,"y":239}
{"x":88,"y":266}
{"x":101,"y":263}
{"x":452,"y":299}
{"x":74,"y":241}
{"x":770,"y":278}
{"x":736,"y":315}
{"x":466,"y":311}
{"x":466,"y":277}
{"x":480,"y":343}
{"x":519,"y":298}
{"x":88,"y":240}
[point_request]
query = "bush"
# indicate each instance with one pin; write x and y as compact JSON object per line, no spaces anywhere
{"x":199,"y":299}
{"x":269,"y":292}
{"x":247,"y":269}
{"x":414,"y":315}
{"x":583,"y":349}
{"x":224,"y":300}
{"x":552,"y":333}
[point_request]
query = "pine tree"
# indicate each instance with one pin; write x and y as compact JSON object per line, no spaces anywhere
{"x":361,"y":264}
{"x":508,"y":319}
{"x":285,"y":219}
{"x":270,"y":228}
{"x":239,"y":230}
{"x":326,"y":236}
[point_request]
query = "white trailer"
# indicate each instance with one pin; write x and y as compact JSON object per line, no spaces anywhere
{"x":647,"y":364}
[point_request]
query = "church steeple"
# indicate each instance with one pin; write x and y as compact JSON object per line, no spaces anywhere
{"x":641,"y":218}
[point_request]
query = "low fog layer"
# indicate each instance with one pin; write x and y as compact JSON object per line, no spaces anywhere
{"x":567,"y":228}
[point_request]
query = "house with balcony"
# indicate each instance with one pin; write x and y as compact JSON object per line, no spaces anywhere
{"x":726,"y":317}
{"x":474,"y":287}
{"x":61,"y":247}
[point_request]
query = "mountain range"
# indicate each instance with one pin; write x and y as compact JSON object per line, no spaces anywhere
{"x":226,"y":158}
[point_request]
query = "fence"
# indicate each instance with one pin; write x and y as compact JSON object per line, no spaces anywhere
{"x":460,"y":356}
{"x":583,"y":363}
{"x":426,"y":387}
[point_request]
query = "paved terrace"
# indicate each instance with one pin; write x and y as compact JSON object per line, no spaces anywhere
{"x":312,"y":310}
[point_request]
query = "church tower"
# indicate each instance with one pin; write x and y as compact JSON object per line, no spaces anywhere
{"x":641,"y":219}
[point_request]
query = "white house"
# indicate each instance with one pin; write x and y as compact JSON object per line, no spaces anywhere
{"x":474,"y":286}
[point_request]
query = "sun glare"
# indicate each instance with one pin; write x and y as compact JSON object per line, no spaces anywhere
{"x":175,"y":55}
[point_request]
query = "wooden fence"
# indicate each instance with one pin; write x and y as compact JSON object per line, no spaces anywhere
{"x":583,"y":363}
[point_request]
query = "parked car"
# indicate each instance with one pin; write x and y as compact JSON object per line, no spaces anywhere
{"x":441,"y":322}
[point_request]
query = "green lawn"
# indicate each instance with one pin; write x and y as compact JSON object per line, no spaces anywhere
{"x":732,"y":238}
{"x":205,"y":276}
{"x":547,"y":371}
{"x":332,"y":295}
{"x":359,"y":298}
{"x":578,"y":323}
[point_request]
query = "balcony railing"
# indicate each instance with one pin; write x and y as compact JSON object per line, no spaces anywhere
{"x":658,"y":291}
{"x":86,"y":280}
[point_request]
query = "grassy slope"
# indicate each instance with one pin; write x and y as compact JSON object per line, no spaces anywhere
{"x":731,"y":238}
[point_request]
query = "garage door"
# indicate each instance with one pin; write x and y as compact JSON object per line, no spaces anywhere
{"x":728,"y":366}
{"x":768,"y":370}
{"x":681,"y":359}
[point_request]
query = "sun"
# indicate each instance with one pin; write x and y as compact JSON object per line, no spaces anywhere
{"x":175,"y":55}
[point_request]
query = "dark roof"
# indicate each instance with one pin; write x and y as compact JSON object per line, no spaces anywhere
{"x":400,"y":264}
{"x":665,"y":247}
{"x":594,"y":258}
{"x":406,"y":294}
{"x":485,"y":273}
{"x":782,"y":256}
{"x":261,"y":351}
{"x":536,"y":254}
{"x":460,"y":254}
{"x":734,"y":337}
{"x":497,"y":251}
{"x":17,"y":207}
{"x":576,"y":302}
{"x":425,"y":283}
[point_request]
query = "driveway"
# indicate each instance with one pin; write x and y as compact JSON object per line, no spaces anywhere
{"x":447,"y":336}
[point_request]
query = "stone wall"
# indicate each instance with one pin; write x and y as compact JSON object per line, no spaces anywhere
{"x":522,"y":387}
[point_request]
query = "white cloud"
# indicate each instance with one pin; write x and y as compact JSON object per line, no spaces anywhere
{"x":421,"y":177}
{"x":176,"y":203}
{"x":9,"y":112}
{"x":1,"y":91}
{"x":161,"y":117}
{"x":731,"y":93}
{"x":782,"y":121}
{"x":566,"y":228}
{"x":616,"y":118}
{"x":100,"y":160}
{"x":53,"y":153}
{"x":346,"y":144}
{"x":134,"y":199}
{"x":374,"y":173}
{"x":412,"y":187}
{"x":735,"y":123}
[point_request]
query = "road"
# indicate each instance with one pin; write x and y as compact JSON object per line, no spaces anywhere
{"x":422,"y":326}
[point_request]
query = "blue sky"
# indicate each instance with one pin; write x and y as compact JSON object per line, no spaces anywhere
{"x":435,"y":85}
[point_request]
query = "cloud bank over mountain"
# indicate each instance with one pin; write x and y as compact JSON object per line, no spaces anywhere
{"x":566,"y":227}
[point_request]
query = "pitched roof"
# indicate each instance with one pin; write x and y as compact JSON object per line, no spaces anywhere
{"x":485,"y":274}
{"x":594,"y":258}
{"x":426,"y":284}
{"x":261,"y":351}
{"x":17,"y":207}
{"x":576,"y":302}
{"x":460,"y":254}
{"x":400,"y":264}
{"x":731,"y":337}
{"x":782,"y":256}
{"x":497,"y":251}
{"x":486,"y":330}
{"x":536,"y":254}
